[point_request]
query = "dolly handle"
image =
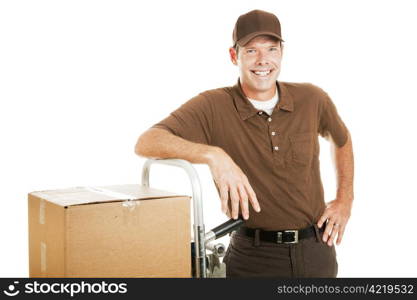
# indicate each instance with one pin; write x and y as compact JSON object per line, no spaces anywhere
{"x":223,"y":229}
{"x":192,"y":175}
{"x":227,"y":227}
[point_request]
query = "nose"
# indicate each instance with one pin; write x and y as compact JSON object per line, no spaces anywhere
{"x":262,"y":58}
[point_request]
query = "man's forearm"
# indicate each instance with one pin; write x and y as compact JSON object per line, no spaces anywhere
{"x":159,"y":143}
{"x":344,"y":165}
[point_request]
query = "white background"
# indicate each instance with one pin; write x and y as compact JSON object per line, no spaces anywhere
{"x":81,"y":80}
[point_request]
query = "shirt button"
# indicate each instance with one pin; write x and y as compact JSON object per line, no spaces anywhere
{"x":269,"y":119}
{"x":273,"y":132}
{"x":260,"y":113}
{"x":276,"y":148}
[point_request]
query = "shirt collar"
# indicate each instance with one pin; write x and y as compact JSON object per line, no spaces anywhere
{"x":247,"y":110}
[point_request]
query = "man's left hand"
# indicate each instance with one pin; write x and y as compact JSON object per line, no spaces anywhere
{"x":337,"y":213}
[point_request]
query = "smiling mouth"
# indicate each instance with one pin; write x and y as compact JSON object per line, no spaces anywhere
{"x":263,"y":73}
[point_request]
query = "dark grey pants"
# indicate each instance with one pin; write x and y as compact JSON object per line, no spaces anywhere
{"x":249,"y":257}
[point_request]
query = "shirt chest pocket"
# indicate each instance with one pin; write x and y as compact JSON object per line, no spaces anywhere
{"x":303,"y":147}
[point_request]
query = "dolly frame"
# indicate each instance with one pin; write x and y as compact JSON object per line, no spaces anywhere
{"x":198,"y":219}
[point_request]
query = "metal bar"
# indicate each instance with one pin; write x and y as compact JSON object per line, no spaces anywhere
{"x":198,"y":226}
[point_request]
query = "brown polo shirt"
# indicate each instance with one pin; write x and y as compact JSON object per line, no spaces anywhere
{"x":279,"y":153}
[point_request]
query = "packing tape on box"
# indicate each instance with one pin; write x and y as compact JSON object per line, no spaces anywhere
{"x":42,"y":211}
{"x":129,"y":200}
{"x":43,"y":257}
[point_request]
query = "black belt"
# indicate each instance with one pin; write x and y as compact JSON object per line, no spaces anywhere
{"x":282,"y":236}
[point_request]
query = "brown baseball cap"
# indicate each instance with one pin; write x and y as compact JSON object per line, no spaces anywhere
{"x":253,"y":24}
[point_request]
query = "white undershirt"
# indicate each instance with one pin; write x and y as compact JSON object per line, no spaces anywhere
{"x":267,"y":105}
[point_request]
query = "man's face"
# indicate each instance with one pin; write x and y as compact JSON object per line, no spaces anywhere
{"x":259,"y":63}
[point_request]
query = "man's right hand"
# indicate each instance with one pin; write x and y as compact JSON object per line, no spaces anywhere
{"x":230,"y":180}
{"x":228,"y":177}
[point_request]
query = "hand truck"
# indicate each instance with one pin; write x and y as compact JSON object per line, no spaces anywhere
{"x":203,"y":264}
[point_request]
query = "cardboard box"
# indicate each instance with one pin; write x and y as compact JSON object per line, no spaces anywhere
{"x":98,"y":232}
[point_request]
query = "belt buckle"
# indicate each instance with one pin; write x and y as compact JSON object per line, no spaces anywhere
{"x":279,"y":237}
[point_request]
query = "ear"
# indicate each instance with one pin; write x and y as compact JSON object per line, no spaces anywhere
{"x":233,"y":55}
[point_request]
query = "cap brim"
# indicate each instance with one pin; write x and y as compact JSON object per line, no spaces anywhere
{"x":243,"y":41}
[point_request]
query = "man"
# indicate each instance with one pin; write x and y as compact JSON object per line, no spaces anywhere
{"x":260,"y":140}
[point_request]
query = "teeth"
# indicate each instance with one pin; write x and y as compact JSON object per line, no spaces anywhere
{"x":262,"y":73}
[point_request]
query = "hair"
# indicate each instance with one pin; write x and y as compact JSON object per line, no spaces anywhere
{"x":269,"y":37}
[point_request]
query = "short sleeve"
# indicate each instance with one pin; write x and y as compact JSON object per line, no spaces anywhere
{"x":192,"y":121}
{"x":330,"y":123}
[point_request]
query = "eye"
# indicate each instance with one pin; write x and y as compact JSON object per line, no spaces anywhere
{"x":250,"y":51}
{"x":273,"y":49}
